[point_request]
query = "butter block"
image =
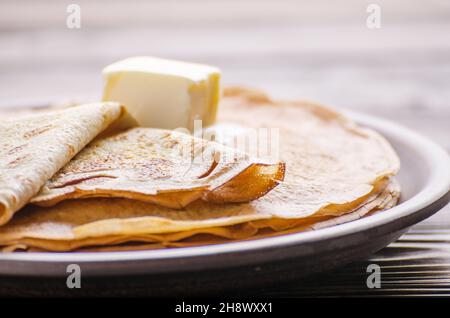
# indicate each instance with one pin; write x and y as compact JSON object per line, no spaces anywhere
{"x":163,"y":93}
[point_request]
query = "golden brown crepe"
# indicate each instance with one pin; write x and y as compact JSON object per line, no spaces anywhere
{"x":163,"y":167}
{"x":329,"y":159}
{"x":335,"y":171}
{"x":81,"y":223}
{"x":35,"y":147}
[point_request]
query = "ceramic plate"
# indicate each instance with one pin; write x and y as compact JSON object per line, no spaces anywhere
{"x":425,"y":182}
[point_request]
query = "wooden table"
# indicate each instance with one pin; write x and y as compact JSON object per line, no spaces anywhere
{"x":318,"y":50}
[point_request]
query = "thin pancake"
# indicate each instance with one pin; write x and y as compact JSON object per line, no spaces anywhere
{"x":35,"y":147}
{"x":334,"y":167}
{"x":22,"y":236}
{"x":330,"y":160}
{"x":73,"y":224}
{"x":163,"y":167}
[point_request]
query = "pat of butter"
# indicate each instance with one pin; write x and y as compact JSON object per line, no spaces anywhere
{"x":163,"y":93}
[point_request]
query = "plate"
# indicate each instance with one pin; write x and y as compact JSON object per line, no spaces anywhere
{"x":425,"y":181}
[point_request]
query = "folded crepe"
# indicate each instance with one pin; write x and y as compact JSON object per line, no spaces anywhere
{"x":35,"y":147}
{"x":164,"y":167}
{"x":336,"y":171}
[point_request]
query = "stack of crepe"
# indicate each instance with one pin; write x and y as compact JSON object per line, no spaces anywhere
{"x":79,"y":179}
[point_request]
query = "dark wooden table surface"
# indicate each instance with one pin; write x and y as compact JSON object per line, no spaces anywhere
{"x":319,"y":50}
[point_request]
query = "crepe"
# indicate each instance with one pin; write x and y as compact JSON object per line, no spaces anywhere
{"x":34,"y":147}
{"x":164,"y":167}
{"x":83,"y":223}
{"x":336,"y":171}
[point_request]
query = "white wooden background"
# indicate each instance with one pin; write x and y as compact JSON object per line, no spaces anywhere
{"x":319,"y":50}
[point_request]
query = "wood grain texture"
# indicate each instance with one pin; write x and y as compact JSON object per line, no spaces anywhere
{"x":317,"y":50}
